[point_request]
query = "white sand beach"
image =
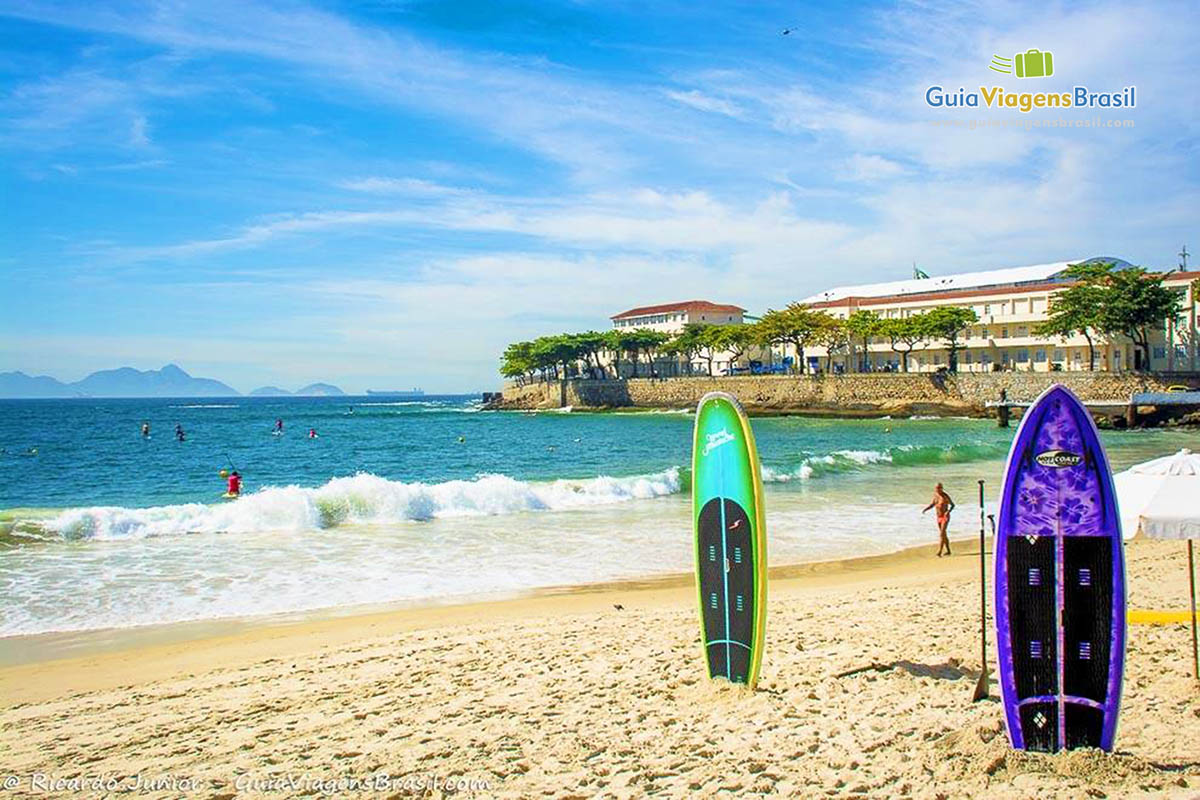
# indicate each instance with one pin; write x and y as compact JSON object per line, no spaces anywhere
{"x":566,"y":695}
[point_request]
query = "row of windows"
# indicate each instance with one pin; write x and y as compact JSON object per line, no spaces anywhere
{"x":658,"y":319}
{"x":1022,"y":305}
{"x":651,"y":319}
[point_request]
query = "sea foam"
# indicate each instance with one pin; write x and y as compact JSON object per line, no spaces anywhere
{"x":363,"y":498}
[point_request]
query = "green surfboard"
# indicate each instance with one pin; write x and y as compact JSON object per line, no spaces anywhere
{"x":731,"y":540}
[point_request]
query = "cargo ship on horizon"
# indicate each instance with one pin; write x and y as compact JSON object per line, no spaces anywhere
{"x":414,"y":392}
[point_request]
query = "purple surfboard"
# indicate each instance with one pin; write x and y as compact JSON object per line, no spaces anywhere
{"x":1060,"y":582}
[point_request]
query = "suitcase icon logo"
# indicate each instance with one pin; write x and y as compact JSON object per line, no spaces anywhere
{"x":1032,"y":63}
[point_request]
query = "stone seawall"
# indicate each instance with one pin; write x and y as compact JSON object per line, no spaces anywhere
{"x":837,"y":395}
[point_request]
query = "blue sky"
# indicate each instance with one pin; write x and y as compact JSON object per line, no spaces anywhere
{"x":384,"y":193}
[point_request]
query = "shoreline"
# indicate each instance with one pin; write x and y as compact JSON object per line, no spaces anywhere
{"x":159,"y":648}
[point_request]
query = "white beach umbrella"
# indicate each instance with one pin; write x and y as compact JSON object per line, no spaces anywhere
{"x":1161,"y":498}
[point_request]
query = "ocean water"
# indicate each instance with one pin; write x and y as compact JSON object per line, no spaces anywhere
{"x":103,"y":528}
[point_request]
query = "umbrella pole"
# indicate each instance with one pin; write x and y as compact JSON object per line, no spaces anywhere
{"x":981,"y":688}
{"x":1192,"y":583}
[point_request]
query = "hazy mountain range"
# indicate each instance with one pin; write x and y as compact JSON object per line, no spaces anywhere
{"x":170,"y":381}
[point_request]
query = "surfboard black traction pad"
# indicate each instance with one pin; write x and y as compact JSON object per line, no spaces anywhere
{"x":730,"y":560}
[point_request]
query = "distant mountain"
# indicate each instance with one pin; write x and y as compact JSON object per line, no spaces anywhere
{"x":170,"y":381}
{"x":270,"y":391}
{"x":320,"y":390}
{"x":18,"y":384}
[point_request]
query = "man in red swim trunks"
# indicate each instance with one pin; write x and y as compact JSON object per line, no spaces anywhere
{"x":943,"y":505}
{"x":235,"y":484}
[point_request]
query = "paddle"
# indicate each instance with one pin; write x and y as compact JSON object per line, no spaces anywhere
{"x":981,"y":687}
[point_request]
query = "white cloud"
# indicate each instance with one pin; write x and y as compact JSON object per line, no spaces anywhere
{"x":860,"y":167}
{"x":384,"y":185}
{"x":704,"y":102}
{"x":139,"y":135}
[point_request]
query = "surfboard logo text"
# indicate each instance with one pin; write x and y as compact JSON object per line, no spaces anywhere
{"x":715,"y":440}
{"x":1058,"y":458}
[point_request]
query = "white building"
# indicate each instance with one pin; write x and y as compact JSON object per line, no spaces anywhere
{"x":670,"y":318}
{"x":1010,"y":303}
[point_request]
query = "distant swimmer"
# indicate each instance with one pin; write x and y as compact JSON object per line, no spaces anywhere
{"x":278,"y":427}
{"x":235,"y":484}
{"x":943,"y":505}
{"x":462,"y":439}
{"x":179,"y":434}
{"x":145,"y":430}
{"x":351,"y":411}
{"x":312,"y":433}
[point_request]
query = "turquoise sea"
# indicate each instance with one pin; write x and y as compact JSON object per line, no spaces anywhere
{"x":103,"y":528}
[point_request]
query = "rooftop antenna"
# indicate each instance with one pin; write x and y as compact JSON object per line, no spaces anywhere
{"x":1183,"y":257}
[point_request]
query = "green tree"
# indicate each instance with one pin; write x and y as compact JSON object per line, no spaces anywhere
{"x":550,"y":353}
{"x":1075,"y":310}
{"x":614,"y":344}
{"x":904,"y":333}
{"x":590,"y":344}
{"x":710,"y":344}
{"x":1134,"y":303}
{"x":864,"y":325}
{"x":797,"y":325}
{"x":834,"y":335}
{"x":736,"y":340}
{"x":517,"y":361}
{"x":647,"y":342}
{"x":690,"y":341}
{"x":948,"y":323}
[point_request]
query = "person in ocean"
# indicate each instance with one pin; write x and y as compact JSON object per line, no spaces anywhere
{"x":943,"y":505}
{"x":312,"y":433}
{"x":278,"y":426}
{"x":145,"y":430}
{"x":179,"y":434}
{"x":235,"y":484}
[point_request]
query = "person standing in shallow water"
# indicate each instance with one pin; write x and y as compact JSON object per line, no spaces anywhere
{"x":943,"y":505}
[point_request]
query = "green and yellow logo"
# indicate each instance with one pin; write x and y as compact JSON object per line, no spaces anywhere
{"x":1033,"y":63}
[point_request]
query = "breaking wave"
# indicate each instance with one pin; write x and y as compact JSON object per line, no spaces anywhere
{"x":362,"y":498}
{"x":904,"y":456}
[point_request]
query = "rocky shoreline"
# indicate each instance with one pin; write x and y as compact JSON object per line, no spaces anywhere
{"x":859,"y":396}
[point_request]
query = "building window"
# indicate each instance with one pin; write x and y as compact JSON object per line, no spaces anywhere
{"x":983,"y":333}
{"x":1022,"y":356}
{"x":1004,"y":333}
{"x":1021,"y":331}
{"x":987,"y":309}
{"x":1039,"y":355}
{"x":1160,"y":352}
{"x":1058,"y":355}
